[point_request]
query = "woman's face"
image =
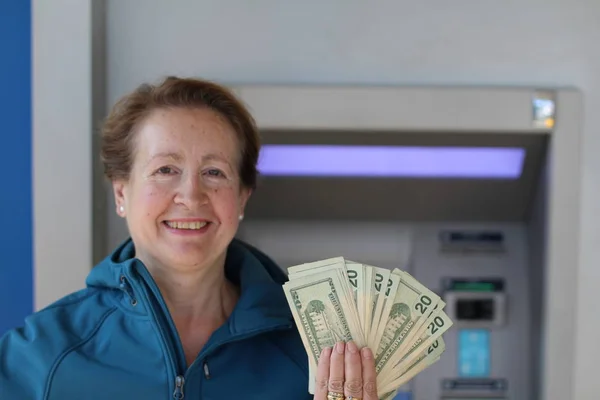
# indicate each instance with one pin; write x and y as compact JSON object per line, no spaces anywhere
{"x":184,"y":197}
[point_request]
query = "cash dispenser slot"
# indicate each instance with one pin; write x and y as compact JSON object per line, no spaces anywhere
{"x":476,"y":303}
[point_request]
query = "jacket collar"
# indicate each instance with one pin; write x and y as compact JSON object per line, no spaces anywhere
{"x":262,"y":303}
{"x":262,"y":299}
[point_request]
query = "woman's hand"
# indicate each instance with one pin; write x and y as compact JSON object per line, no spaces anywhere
{"x":345,"y":372}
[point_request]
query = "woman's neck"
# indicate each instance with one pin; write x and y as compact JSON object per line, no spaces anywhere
{"x":199,"y":301}
{"x":202,"y":296}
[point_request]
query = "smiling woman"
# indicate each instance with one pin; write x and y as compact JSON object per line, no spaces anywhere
{"x":185,"y":174}
{"x":181,"y":307}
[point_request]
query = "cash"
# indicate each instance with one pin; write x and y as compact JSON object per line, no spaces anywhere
{"x":398,"y":318}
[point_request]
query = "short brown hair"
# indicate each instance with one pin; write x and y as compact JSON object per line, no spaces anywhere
{"x":118,"y":131}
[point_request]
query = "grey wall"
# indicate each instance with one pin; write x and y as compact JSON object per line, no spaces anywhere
{"x":99,"y":111}
{"x":390,"y":245}
{"x":62,"y":171}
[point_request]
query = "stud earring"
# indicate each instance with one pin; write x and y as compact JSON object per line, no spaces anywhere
{"x":122,"y":209}
{"x":241,"y":217}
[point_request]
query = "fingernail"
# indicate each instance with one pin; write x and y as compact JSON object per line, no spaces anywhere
{"x":326,"y":352}
{"x":367,"y":353}
{"x":352,"y":347}
{"x":340,"y":347}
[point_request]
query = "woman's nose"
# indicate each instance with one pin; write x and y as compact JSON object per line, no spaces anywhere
{"x":192,"y":192}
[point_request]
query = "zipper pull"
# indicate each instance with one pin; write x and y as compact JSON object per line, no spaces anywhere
{"x":179,"y":381}
{"x":206,"y":371}
{"x":126,"y":287}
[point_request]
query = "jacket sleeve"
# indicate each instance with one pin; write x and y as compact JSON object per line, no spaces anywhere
{"x":24,"y":363}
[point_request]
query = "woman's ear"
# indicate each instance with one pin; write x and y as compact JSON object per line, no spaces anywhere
{"x":244,"y":196}
{"x":120,"y":198}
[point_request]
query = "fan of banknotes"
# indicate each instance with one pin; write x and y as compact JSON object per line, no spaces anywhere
{"x":389,"y":311}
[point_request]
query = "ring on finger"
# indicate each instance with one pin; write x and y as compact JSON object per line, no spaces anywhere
{"x":335,"y":396}
{"x":352,"y":398}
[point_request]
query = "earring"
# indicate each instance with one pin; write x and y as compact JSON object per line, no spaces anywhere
{"x":241,"y":217}
{"x":122,"y":209}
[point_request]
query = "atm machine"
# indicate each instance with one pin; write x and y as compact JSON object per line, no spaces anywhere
{"x":473,"y":190}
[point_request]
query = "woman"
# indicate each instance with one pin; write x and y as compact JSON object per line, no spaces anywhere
{"x":182,"y":308}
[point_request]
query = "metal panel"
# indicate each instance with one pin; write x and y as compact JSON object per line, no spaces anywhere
{"x":449,"y":109}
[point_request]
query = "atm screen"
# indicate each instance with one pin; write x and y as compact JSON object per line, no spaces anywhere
{"x":475,"y":309}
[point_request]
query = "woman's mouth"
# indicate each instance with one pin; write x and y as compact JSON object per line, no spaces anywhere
{"x":195,"y":225}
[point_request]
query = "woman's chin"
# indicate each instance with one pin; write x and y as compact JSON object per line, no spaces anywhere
{"x":189,"y":256}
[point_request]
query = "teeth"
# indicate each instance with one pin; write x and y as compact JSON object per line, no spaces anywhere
{"x":186,"y":225}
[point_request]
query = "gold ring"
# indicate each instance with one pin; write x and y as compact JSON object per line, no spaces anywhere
{"x":335,"y":396}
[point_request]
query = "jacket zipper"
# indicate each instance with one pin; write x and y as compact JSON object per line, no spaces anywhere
{"x":178,"y":392}
{"x":179,"y":382}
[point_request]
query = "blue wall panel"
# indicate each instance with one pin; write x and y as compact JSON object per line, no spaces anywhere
{"x":16,"y":210}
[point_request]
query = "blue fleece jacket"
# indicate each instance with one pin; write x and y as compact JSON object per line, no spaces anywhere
{"x":115,"y":340}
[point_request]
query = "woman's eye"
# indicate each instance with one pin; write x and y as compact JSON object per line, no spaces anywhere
{"x":214,"y":172}
{"x":165,"y":170}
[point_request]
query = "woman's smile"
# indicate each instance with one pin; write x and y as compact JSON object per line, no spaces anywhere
{"x":187,"y":227}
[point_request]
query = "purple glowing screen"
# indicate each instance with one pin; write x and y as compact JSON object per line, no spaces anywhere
{"x":389,"y":161}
